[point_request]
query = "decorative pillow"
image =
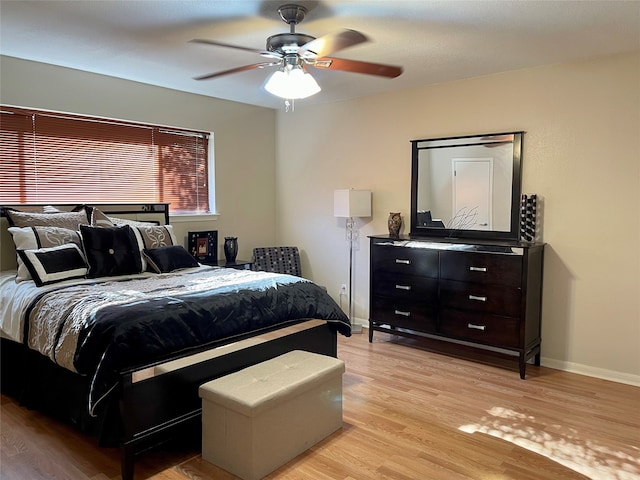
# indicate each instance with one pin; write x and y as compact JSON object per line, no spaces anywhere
{"x":111,"y":251}
{"x":50,"y":209}
{"x":70,"y":220}
{"x":32,"y":238}
{"x":169,"y":258}
{"x":54,"y":264}
{"x":100,"y":219}
{"x":131,"y":223}
{"x":154,"y":236}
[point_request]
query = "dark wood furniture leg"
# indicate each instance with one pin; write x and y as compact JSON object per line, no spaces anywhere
{"x":127,"y":457}
{"x":522,"y":364}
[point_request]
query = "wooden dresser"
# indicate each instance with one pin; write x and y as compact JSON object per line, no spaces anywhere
{"x":484,"y":293}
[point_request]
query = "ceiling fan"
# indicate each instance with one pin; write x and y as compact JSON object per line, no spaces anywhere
{"x":294,"y":52}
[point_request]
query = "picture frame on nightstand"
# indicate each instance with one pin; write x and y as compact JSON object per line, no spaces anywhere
{"x":204,"y":246}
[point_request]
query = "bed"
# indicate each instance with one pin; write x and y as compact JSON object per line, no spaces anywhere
{"x":108,"y":323}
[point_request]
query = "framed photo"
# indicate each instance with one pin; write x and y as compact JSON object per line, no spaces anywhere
{"x":204,"y":246}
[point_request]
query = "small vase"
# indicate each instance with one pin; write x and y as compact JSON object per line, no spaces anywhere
{"x":230,"y":248}
{"x":395,"y":221}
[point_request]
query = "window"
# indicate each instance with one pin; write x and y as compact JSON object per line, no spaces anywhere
{"x":48,"y":157}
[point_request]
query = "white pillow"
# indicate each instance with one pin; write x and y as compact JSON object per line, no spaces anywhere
{"x":32,"y":238}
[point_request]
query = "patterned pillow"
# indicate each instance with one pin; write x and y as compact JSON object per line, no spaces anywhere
{"x":70,"y":220}
{"x":154,"y":236}
{"x":100,"y":219}
{"x":111,"y":251}
{"x":50,"y":209}
{"x":169,"y":258}
{"x":126,"y":221}
{"x":54,"y":264}
{"x":33,"y":238}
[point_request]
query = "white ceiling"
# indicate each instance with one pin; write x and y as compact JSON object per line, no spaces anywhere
{"x":434,"y":41}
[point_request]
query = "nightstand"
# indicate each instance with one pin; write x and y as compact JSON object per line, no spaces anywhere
{"x":238,"y":264}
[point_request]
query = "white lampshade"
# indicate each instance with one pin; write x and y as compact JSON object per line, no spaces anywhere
{"x":352,"y":203}
{"x":292,"y":83}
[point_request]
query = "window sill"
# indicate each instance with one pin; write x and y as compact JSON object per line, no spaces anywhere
{"x":193,"y":218}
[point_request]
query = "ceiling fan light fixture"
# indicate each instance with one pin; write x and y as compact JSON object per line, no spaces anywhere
{"x":293,"y":52}
{"x":292,"y":82}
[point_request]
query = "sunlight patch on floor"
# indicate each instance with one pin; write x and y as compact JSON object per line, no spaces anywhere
{"x":564,"y":446}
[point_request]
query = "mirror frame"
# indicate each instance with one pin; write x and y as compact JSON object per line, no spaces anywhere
{"x":516,"y":185}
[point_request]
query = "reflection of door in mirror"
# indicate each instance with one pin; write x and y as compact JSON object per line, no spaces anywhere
{"x":472,"y":193}
{"x":462,"y":203}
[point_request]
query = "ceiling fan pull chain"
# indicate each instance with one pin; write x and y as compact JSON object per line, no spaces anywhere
{"x":289,"y":105}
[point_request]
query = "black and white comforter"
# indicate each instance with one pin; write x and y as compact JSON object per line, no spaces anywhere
{"x":102,"y":328}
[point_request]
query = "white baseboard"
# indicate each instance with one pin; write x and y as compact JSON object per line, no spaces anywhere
{"x":603,"y":373}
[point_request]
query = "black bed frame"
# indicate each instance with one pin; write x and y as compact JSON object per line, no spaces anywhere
{"x":152,"y":408}
{"x":146,"y":412}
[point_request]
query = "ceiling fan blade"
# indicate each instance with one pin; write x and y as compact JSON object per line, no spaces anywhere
{"x":227,"y":45}
{"x":236,"y":70}
{"x":356,"y":66}
{"x":328,"y":44}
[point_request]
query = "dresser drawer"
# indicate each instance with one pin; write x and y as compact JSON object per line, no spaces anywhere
{"x":407,"y":287}
{"x":481,"y":268}
{"x":495,"y":299}
{"x":404,"y":314}
{"x":486,"y":329}
{"x":406,"y":261}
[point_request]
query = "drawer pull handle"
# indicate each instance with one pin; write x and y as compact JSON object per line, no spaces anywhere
{"x":402,"y":261}
{"x":476,"y":327}
{"x":403,"y":287}
{"x":476,"y":297}
{"x":478,"y":269}
{"x":400,"y":312}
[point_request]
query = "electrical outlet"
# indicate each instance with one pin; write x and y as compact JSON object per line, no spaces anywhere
{"x":343,"y":289}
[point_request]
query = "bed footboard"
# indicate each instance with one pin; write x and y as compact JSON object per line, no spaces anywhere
{"x":151,"y":409}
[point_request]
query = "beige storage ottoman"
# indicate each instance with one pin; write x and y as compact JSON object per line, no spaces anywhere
{"x":257,"y":419}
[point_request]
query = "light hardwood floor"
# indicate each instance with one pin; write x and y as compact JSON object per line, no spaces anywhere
{"x":408,"y":414}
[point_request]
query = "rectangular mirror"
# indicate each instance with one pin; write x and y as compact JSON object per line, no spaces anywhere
{"x":466,"y":187}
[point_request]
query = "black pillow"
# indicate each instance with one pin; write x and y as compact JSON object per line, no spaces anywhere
{"x":169,"y":258}
{"x":111,"y":251}
{"x":54,"y":264}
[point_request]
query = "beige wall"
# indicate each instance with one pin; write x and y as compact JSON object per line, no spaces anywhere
{"x":244,"y":136}
{"x":581,"y":155}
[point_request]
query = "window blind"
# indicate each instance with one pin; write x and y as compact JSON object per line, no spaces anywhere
{"x":48,"y":157}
